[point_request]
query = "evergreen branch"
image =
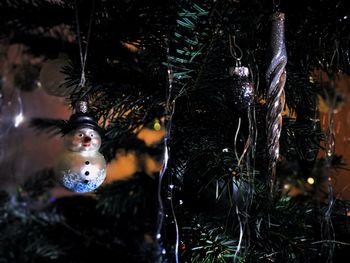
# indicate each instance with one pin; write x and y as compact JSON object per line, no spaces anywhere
{"x":51,"y":126}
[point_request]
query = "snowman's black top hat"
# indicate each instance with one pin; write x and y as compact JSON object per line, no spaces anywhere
{"x":81,"y":119}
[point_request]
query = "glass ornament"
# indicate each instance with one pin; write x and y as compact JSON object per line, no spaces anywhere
{"x":81,"y":167}
{"x":52,"y":78}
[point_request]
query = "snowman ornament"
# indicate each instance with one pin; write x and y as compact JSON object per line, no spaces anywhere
{"x":81,"y":167}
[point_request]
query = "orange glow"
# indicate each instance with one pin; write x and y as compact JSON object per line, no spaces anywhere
{"x":126,"y":164}
{"x":151,"y":166}
{"x":150,"y":136}
{"x":132,"y":46}
{"x":341,"y":117}
{"x":122,"y":167}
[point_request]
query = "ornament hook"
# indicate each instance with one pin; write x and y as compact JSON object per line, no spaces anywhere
{"x":233,"y":47}
{"x":237,"y":54}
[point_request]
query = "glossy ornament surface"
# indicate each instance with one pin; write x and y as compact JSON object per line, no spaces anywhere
{"x":81,"y":167}
{"x":275,"y":81}
{"x":243,"y":90}
{"x":52,"y":78}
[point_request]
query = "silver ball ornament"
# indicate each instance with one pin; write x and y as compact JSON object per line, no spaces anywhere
{"x":51,"y":77}
{"x":81,"y":168}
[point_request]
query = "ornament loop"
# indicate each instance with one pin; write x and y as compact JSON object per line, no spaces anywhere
{"x":233,"y":46}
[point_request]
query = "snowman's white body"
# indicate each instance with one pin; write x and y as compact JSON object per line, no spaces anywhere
{"x":81,"y":167}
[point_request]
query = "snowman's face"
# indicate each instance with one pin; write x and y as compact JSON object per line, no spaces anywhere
{"x":83,"y":140}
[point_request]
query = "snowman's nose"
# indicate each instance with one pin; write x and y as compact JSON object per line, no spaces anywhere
{"x":86,"y":139}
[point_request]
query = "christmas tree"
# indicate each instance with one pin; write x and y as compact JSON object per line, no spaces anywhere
{"x":243,"y":95}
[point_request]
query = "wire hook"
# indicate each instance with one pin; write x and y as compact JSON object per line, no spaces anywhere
{"x":233,"y":47}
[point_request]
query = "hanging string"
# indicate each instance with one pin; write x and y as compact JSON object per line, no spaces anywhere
{"x":169,"y":112}
{"x":83,"y":55}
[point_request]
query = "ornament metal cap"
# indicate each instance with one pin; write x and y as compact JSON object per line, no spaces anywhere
{"x":81,"y":107}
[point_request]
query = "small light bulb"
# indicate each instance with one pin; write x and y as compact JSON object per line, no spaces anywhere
{"x":311,"y":180}
{"x":18,"y":119}
{"x":329,"y":153}
{"x":156,"y":125}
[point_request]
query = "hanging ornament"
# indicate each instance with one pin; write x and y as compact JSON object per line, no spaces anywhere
{"x":81,"y":167}
{"x":242,"y":188}
{"x":51,"y":77}
{"x":275,"y":79}
{"x":243,"y":90}
{"x":244,"y":95}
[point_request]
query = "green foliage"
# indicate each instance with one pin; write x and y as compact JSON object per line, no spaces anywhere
{"x":208,"y":243}
{"x":80,"y":228}
{"x":281,"y":229}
